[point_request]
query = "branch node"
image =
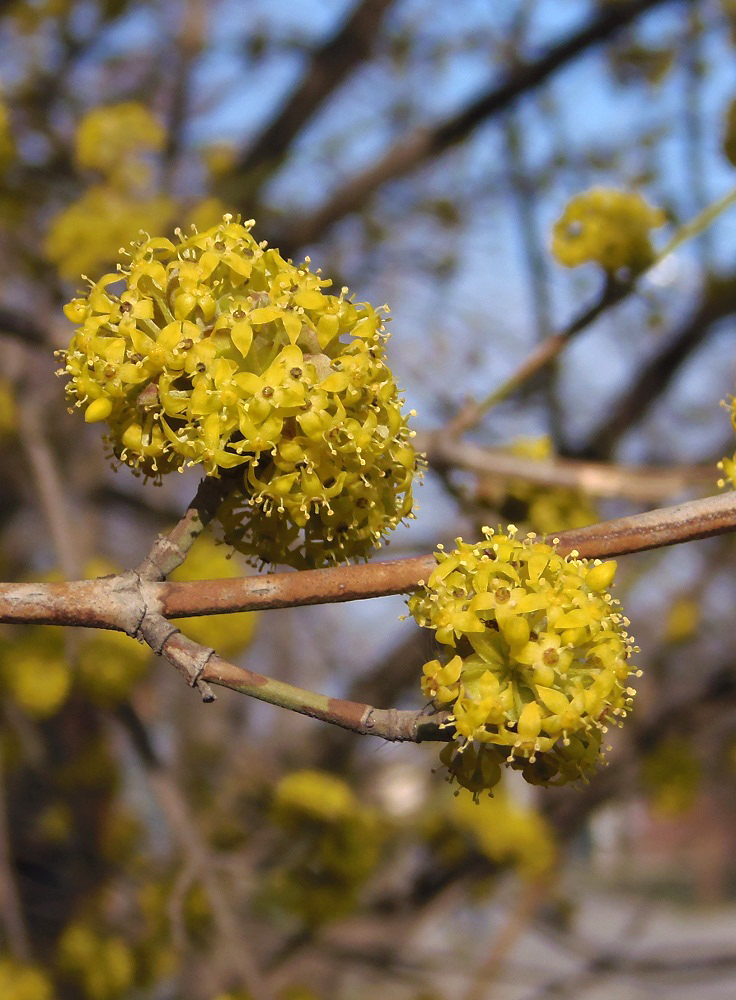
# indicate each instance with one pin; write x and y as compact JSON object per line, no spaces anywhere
{"x":130,"y":604}
{"x":158,"y":637}
{"x":164,"y":547}
{"x":190,"y":659}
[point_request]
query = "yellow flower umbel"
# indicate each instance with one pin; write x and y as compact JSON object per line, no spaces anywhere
{"x":218,"y":352}
{"x":7,"y":147}
{"x":540,"y":664}
{"x":329,"y":844}
{"x":119,"y":143}
{"x":100,"y":965}
{"x":728,"y":465}
{"x":507,"y":832}
{"x":19,"y":981}
{"x":114,"y":137}
{"x":608,"y":227}
{"x":76,"y":247}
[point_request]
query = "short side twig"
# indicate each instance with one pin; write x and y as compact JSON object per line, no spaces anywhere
{"x":170,"y":550}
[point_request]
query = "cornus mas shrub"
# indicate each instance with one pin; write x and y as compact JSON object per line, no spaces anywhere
{"x":218,"y":352}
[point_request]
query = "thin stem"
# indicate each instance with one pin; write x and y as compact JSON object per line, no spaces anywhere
{"x":170,"y":550}
{"x":198,"y":860}
{"x":388,"y":724}
{"x":541,"y":356}
{"x":613,"y":293}
{"x":646,"y":484}
{"x":530,"y":898}
{"x":50,"y":489}
{"x":696,"y":226}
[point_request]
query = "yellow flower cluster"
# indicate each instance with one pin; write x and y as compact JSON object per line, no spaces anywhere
{"x":37,"y":674}
{"x":332,"y":846}
{"x":547,"y":665}
{"x":117,"y":142}
{"x":672,"y":776}
{"x":38,"y":677}
{"x":102,"y":966}
{"x":7,"y":146}
{"x":23,"y":982}
{"x":110,"y":138}
{"x":728,"y":465}
{"x":109,"y":665}
{"x":682,"y":620}
{"x":31,"y":16}
{"x":219,"y":352}
{"x":506,"y":832}
{"x":543,"y":509}
{"x":76,"y":247}
{"x":608,"y":227}
{"x":8,"y":410}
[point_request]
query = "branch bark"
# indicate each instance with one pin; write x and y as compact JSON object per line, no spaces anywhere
{"x":645,"y":484}
{"x":122,"y":602}
{"x":15,"y":324}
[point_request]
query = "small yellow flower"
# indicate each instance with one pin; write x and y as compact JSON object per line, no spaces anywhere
{"x":19,"y":981}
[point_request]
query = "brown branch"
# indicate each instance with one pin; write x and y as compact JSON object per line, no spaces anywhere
{"x":170,"y":550}
{"x":328,"y":67}
{"x":413,"y":150}
{"x":138,"y":605}
{"x":640,"y":532}
{"x":529,"y":900}
{"x":121,"y":602}
{"x":186,"y":49}
{"x":645,"y":484}
{"x":11,"y":910}
{"x":284,"y":590}
{"x":393,"y":725}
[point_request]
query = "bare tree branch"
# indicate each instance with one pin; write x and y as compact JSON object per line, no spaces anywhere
{"x":198,"y":859}
{"x":645,"y":484}
{"x":413,"y":150}
{"x":21,"y":326}
{"x":11,"y":910}
{"x":170,"y":550}
{"x":654,"y":377}
{"x":328,"y":67}
{"x":122,"y":602}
